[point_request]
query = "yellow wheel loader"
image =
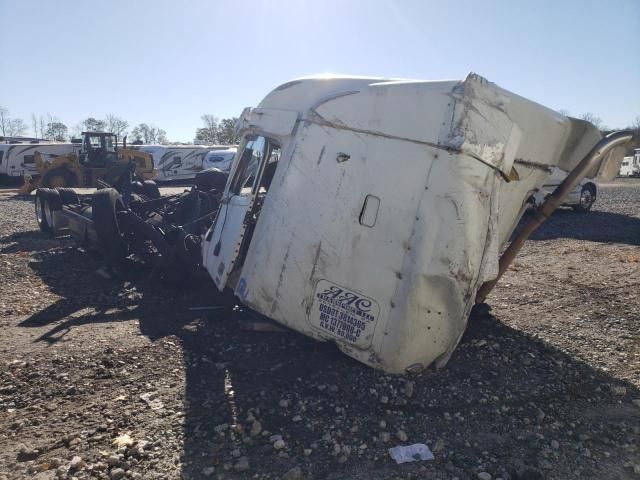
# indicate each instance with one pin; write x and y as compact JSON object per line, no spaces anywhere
{"x":99,"y":159}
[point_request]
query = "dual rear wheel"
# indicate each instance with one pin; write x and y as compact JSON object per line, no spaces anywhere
{"x":49,"y":201}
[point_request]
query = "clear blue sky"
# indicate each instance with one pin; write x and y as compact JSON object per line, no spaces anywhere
{"x":168,"y":62}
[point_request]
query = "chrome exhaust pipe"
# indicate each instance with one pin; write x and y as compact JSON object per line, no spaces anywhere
{"x":552,"y":202}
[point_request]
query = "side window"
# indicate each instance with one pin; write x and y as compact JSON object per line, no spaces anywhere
{"x":28,"y":159}
{"x":258,"y":159}
{"x":177,"y":160}
{"x":248,"y":166}
{"x":1,"y":155}
{"x":270,"y":168}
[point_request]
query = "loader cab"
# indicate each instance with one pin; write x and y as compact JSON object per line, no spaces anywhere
{"x":98,"y":149}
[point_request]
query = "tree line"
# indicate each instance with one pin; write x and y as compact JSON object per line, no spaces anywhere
{"x":213,"y":130}
{"x":50,"y":127}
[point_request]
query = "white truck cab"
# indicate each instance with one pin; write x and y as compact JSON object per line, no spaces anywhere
{"x":368,"y":211}
{"x":631,"y":165}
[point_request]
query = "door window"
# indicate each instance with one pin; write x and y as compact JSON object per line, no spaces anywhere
{"x":258,"y":160}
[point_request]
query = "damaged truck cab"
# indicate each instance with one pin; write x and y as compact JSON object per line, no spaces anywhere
{"x":369,"y":211}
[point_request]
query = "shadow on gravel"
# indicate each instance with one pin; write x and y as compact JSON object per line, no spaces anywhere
{"x":501,"y":391}
{"x":31,"y":241}
{"x":595,"y":226}
{"x":86,"y":296}
{"x":503,"y":397}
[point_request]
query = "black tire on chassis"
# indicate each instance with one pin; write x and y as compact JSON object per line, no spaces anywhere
{"x":210,"y":179}
{"x":59,"y":177}
{"x":105,"y":204}
{"x":587,"y":198}
{"x":151,"y":189}
{"x":68,"y":196}
{"x":41,"y":206}
{"x":54,"y":204}
{"x":137,"y":187}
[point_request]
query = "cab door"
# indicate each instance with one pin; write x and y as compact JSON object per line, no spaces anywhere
{"x":223,"y":243}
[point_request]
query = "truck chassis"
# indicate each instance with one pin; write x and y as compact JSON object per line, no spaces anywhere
{"x":131,"y":219}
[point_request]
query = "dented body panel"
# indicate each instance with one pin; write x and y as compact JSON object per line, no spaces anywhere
{"x":387,"y":209}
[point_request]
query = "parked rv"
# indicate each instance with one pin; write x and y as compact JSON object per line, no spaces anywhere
{"x":18,"y":159}
{"x":179,"y":162}
{"x":220,"y":159}
{"x":369,"y":212}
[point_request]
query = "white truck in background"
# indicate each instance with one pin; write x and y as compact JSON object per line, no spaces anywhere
{"x":179,"y":162}
{"x":631,"y":165}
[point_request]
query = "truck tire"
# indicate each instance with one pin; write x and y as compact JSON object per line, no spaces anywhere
{"x":41,"y":206}
{"x":59,"y":177}
{"x":137,"y":187}
{"x":105,"y":204}
{"x":587,"y":198}
{"x":151,"y":189}
{"x":53,"y":204}
{"x":211,"y":179}
{"x":68,"y":196}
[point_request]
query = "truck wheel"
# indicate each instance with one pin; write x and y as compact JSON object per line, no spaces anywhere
{"x":137,"y":187}
{"x":105,"y":204}
{"x":151,"y":189}
{"x":59,"y":177}
{"x":210,"y":179}
{"x":53,"y":204}
{"x":68,"y":196}
{"x":41,"y":208}
{"x":587,"y":197}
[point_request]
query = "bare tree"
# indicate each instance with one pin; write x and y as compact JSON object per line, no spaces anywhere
{"x":116,"y":125}
{"x":16,"y":127}
{"x":593,"y":119}
{"x":34,"y":125}
{"x":11,"y":127}
{"x":161,"y":136}
{"x":42,"y":125}
{"x":635,"y":142}
{"x":77,"y":130}
{"x":5,"y":119}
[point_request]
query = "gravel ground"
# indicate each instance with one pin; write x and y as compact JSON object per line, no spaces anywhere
{"x":104,"y":378}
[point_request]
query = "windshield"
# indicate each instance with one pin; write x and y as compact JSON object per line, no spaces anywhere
{"x":101,"y":142}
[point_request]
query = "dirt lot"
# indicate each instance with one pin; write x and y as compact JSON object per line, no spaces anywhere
{"x":106,"y":378}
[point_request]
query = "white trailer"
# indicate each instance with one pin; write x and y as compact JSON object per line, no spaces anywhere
{"x":179,"y":162}
{"x":18,"y":159}
{"x":369,"y":211}
{"x":220,"y":159}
